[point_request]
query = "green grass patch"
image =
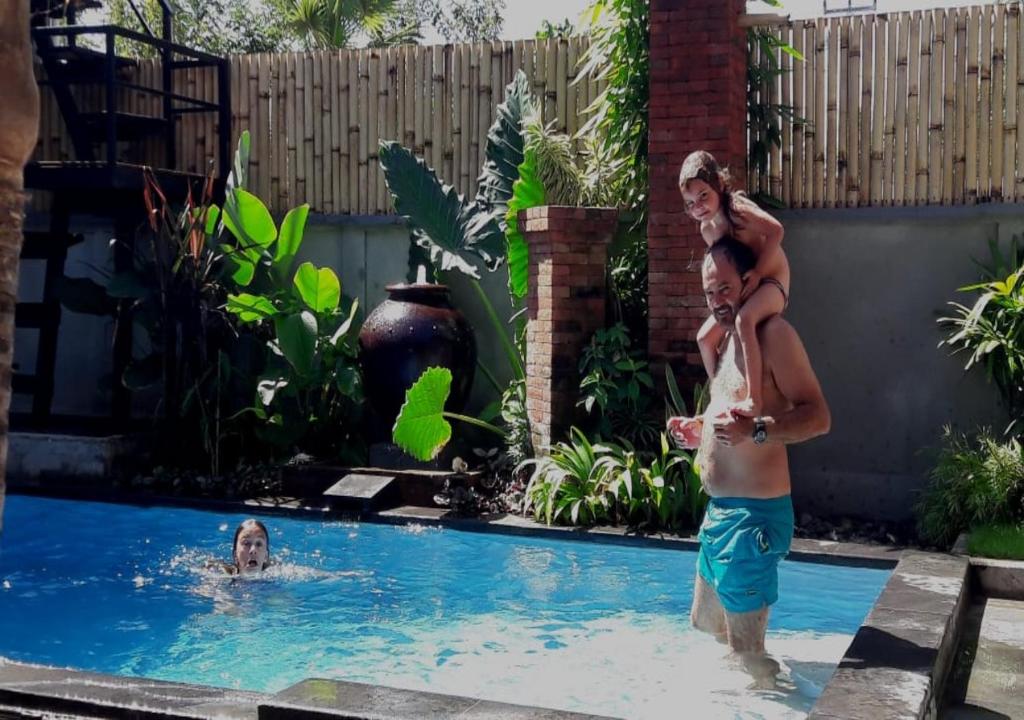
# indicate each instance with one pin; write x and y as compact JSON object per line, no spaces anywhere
{"x":1005,"y":542}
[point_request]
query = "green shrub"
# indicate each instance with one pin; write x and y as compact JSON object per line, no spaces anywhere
{"x":1003,"y":541}
{"x":572,"y":483}
{"x":975,"y":481}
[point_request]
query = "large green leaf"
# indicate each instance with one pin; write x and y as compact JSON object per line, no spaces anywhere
{"x":296,"y":336}
{"x":239,"y":176}
{"x":504,"y":150}
{"x":241,"y":263}
{"x":527,"y":192}
{"x":319,"y":289}
{"x":251,"y":308}
{"x":289,"y":240}
{"x":420,"y":428}
{"x":456,"y":230}
{"x":248,"y":219}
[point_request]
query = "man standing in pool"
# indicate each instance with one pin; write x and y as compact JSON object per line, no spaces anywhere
{"x":748,"y":524}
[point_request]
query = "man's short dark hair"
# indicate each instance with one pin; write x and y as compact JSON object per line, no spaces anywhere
{"x":739,"y":255}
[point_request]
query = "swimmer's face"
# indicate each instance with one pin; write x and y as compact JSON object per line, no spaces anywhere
{"x":251,"y":550}
{"x":700,"y":200}
{"x":722,"y":286}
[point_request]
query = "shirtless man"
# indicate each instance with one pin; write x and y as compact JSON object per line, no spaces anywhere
{"x":748,"y":524}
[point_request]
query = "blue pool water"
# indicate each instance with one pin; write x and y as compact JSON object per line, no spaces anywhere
{"x":575,"y":625}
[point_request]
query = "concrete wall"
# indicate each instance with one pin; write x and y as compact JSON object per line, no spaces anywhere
{"x":867,"y":288}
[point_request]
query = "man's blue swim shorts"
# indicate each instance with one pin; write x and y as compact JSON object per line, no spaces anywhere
{"x":742,"y":541}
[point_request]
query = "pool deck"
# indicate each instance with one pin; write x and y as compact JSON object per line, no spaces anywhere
{"x":897,"y":665}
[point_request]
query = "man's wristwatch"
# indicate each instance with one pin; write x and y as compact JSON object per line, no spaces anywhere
{"x":760,"y":431}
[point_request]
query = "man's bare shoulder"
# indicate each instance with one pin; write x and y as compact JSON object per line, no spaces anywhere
{"x":776,"y":332}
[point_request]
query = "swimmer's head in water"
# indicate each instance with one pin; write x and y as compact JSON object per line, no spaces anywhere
{"x":251,"y":548}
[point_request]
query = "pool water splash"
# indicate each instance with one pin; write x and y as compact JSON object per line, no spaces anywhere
{"x":577,"y":626}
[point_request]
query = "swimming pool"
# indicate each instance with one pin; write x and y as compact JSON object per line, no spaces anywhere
{"x":582,"y":626}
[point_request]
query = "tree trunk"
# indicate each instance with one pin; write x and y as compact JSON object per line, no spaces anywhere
{"x":19,"y":127}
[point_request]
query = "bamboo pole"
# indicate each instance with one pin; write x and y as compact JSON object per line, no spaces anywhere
{"x":985,"y":106}
{"x":1010,"y":126}
{"x":354,"y":141}
{"x":562,"y":65}
{"x":923,"y":125}
{"x":819,"y":113}
{"x":372,"y":135}
{"x":889,"y":140}
{"x":344,"y":140}
{"x":959,"y":101}
{"x":365,"y":134}
{"x":458,"y":97}
{"x":998,"y":103}
{"x":799,"y":74}
{"x":381,"y":99}
{"x":810,"y":105}
{"x":276,"y":160}
{"x":266,"y":59}
{"x":913,"y":107}
{"x":971,"y":98}
{"x":465,"y":120}
{"x":948,"y":105}
{"x":786,"y":98}
{"x":408,"y":128}
{"x":775,"y":152}
{"x":485,"y":94}
{"x":866,"y":101}
{"x":1018,"y":185}
{"x":331,"y":142}
{"x":313,"y":130}
{"x":878,"y":112}
{"x":853,"y":179}
{"x":936,"y":122}
{"x":292,"y":120}
{"x":473,"y":103}
{"x":572,"y":123}
{"x":437,"y":107}
{"x":301,"y":165}
{"x":448,"y":119}
{"x":832,"y":107}
{"x":337,"y":129}
{"x":843,"y":113}
{"x":551,"y":82}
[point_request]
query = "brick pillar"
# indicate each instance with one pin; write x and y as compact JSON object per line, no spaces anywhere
{"x":697,"y":102}
{"x":565,"y":305}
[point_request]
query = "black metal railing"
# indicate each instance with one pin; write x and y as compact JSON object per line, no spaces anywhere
{"x":174,"y":58}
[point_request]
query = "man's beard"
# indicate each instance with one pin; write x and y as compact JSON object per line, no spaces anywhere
{"x":725,"y":316}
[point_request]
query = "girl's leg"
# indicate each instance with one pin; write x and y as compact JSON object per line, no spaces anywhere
{"x":708,"y":338}
{"x":766,"y":301}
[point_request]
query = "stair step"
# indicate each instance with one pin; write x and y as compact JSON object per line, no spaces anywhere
{"x":130,"y":126}
{"x":36,"y":315}
{"x":362,"y":491}
{"x":44,"y":245}
{"x":84,"y":64}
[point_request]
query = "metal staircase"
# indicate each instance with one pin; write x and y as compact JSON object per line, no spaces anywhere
{"x":105,"y":177}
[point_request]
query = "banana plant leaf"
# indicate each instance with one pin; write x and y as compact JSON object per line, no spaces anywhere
{"x":318,"y":288}
{"x":504,"y":149}
{"x":527,"y":192}
{"x":459,"y":232}
{"x":420,"y":428}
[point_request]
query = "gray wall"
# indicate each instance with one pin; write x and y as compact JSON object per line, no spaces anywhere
{"x":868,"y":286}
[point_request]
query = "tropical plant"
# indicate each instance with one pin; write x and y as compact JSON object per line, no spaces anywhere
{"x":327,"y":24}
{"x":468,"y":235}
{"x":572,"y":484}
{"x":548,"y":29}
{"x":615,"y":390}
{"x":991,"y":331}
{"x":975,"y":481}
{"x":454,"y":20}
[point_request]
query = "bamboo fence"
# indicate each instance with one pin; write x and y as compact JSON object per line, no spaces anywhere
{"x":316,"y":118}
{"x":910,"y":108}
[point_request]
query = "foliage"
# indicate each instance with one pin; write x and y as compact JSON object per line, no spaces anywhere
{"x":517,"y":423}
{"x":219,"y":27}
{"x":627,"y":282}
{"x":975,"y":481}
{"x":309,"y":394}
{"x":583,"y":483}
{"x":327,"y":24}
{"x":991,"y":331}
{"x":619,"y":54}
{"x":1002,"y":541}
{"x":616,"y":386}
{"x":454,"y":20}
{"x":549,"y":30}
{"x":527,"y":192}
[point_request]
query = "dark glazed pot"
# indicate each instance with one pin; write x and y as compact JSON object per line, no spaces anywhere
{"x":415,"y":328}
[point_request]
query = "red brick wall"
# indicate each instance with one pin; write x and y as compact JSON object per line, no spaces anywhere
{"x":697,"y":102}
{"x":565,"y":305}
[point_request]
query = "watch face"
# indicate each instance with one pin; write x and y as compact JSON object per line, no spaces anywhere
{"x":760,"y":433}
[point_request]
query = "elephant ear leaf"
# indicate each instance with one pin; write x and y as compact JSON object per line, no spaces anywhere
{"x":457,"y":233}
{"x":504,"y":150}
{"x":527,"y":192}
{"x":421,"y":429}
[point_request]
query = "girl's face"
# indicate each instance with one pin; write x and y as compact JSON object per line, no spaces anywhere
{"x":251,"y":550}
{"x":700,"y":200}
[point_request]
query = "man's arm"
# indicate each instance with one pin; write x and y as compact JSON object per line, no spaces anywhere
{"x":791,"y":369}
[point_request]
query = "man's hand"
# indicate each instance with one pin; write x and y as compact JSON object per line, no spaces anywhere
{"x":686,"y":431}
{"x":731,"y":429}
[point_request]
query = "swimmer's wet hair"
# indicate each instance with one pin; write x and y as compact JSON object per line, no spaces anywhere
{"x":245,"y":525}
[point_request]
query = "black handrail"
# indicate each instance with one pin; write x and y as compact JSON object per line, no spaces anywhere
{"x":142,"y":20}
{"x":75,"y":30}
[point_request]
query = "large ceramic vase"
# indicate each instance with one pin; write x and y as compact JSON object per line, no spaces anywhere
{"x":415,"y":328}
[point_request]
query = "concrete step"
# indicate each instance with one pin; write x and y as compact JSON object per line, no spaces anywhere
{"x":364,"y":492}
{"x":988,"y":679}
